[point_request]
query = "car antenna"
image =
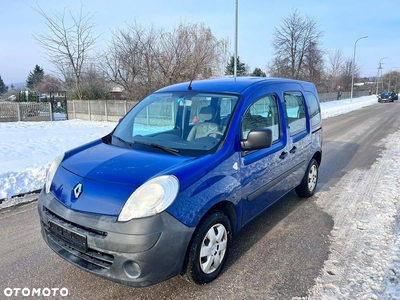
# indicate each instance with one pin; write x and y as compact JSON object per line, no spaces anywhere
{"x":191,"y":80}
{"x":190,"y":85}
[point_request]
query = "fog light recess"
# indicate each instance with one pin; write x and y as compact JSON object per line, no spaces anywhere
{"x":132,"y":269}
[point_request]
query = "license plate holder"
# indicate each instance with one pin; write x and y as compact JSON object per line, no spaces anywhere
{"x":73,"y":238}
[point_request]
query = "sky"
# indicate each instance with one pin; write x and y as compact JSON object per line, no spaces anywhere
{"x":342,"y":23}
{"x":364,"y":259}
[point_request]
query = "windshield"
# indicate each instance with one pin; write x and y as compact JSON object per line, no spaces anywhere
{"x":182,"y":123}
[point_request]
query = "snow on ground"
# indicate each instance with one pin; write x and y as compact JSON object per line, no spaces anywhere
{"x":364,"y":260}
{"x":28,"y":148}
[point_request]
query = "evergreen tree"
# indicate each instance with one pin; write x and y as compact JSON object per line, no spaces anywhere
{"x":240,"y":67}
{"x":258,"y":73}
{"x":34,"y":77}
{"x":3,"y":87}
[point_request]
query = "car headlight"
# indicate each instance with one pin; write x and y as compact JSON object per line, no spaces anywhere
{"x":151,"y":198}
{"x":52,"y":171}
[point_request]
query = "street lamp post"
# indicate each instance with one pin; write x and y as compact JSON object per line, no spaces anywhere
{"x":377,"y":77}
{"x":236,"y":40}
{"x":353,"y":66}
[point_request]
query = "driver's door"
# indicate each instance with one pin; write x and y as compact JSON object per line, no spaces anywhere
{"x":261,"y":170}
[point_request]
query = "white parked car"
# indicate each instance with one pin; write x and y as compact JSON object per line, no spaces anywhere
{"x":12,"y":98}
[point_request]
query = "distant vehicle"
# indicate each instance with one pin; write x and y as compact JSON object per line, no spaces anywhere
{"x":387,"y":97}
{"x":182,"y":173}
{"x":12,"y":98}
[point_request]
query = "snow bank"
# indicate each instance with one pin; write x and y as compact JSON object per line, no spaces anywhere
{"x":338,"y":107}
{"x":28,"y":148}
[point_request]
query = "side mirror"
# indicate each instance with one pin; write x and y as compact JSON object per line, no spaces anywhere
{"x":258,"y":138}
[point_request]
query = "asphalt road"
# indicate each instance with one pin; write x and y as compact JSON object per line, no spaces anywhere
{"x":275,"y":257}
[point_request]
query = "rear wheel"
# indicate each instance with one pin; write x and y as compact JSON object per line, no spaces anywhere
{"x":308,"y":185}
{"x":209,"y":249}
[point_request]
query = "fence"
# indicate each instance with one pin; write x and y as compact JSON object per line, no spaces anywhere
{"x":95,"y":110}
{"x":99,"y":110}
{"x":25,"y":111}
{"x":325,"y":97}
{"x":113,"y":110}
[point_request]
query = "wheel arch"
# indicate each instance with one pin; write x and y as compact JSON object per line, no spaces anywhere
{"x":318,"y":157}
{"x":226,"y":207}
{"x":229,"y":210}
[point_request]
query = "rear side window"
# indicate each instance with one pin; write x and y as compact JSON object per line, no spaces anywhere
{"x":313,"y":108}
{"x":295,"y":112}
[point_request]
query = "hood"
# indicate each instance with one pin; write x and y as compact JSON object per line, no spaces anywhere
{"x":385,"y":95}
{"x":108,"y":163}
{"x":107,"y":175}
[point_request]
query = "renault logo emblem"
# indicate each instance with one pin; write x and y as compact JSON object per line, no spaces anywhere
{"x":78,"y":190}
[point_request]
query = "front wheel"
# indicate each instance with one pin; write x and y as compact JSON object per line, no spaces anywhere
{"x":308,"y":185}
{"x":209,"y":249}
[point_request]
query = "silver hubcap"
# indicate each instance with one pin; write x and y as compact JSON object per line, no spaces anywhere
{"x":312,"y":177}
{"x":213,"y":248}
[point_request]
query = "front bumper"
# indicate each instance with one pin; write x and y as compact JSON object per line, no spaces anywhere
{"x":140,"y":252}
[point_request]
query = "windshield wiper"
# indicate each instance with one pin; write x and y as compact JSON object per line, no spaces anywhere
{"x":123,"y":141}
{"x":154,"y":145}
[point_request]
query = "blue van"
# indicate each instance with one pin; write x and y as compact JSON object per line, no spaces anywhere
{"x":181,"y":174}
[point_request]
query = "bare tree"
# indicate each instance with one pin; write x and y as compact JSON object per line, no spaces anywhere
{"x":130,"y":60}
{"x":346,"y":74}
{"x":189,"y":52}
{"x":95,"y":84}
{"x":68,"y":42}
{"x":142,"y":60}
{"x":296,"y":44}
{"x":336,"y":61}
{"x":49,"y":84}
{"x":314,"y":64}
{"x":278,"y":67}
{"x":391,"y":81}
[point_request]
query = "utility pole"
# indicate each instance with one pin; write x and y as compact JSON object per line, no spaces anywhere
{"x":379,"y":77}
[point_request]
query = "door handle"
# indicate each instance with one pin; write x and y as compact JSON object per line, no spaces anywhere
{"x":283,"y":155}
{"x":293,"y":150}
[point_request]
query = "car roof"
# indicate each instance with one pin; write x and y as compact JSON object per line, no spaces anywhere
{"x":228,"y":84}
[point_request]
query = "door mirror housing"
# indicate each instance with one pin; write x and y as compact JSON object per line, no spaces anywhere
{"x":258,"y":138}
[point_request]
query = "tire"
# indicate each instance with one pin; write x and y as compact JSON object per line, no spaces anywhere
{"x":309,"y":182}
{"x":209,"y":248}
